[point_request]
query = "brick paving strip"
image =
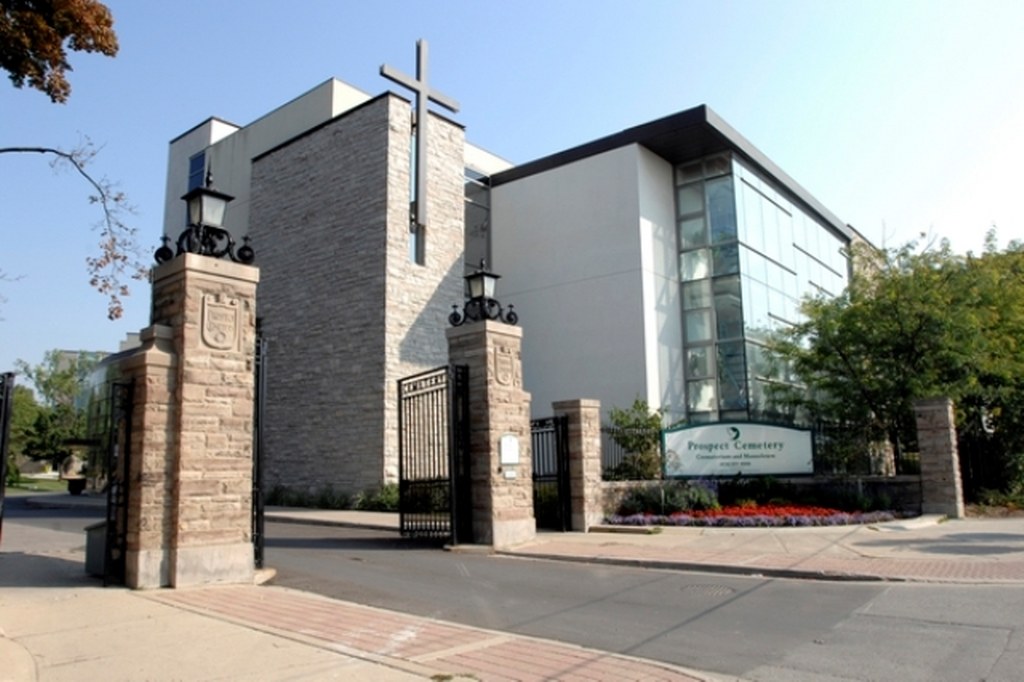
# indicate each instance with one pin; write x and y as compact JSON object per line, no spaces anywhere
{"x":413,"y":643}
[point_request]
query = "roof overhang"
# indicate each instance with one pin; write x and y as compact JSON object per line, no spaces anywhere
{"x":679,"y":138}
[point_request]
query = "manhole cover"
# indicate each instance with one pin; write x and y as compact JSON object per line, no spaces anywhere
{"x":709,"y":590}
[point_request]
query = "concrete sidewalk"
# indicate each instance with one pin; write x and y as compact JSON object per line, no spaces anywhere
{"x":57,"y":624}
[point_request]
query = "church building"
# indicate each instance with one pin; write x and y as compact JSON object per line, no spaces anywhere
{"x":650,"y":263}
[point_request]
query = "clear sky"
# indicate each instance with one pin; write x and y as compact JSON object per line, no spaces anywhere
{"x":901,"y":117}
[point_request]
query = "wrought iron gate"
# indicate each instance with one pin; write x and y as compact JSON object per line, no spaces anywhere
{"x":6,"y":401}
{"x":433,"y":455}
{"x":116,"y":422}
{"x":260,"y":394}
{"x":552,"y":500}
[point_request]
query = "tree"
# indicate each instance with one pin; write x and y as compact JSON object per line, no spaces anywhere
{"x":916,"y":323}
{"x":120,"y":257}
{"x":61,"y":376}
{"x":637,"y":430}
{"x":59,"y":381}
{"x":35,"y":36}
{"x":24,"y":411}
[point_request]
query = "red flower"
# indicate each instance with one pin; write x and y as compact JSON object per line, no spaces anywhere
{"x":764,"y":510}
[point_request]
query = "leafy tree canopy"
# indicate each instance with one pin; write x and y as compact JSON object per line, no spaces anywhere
{"x":914,"y":323}
{"x":44,"y":431}
{"x":24,"y":411}
{"x":35,"y":36}
{"x":60,"y":377}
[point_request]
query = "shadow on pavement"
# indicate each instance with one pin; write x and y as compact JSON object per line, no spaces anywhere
{"x":18,"y":569}
{"x":381,"y":544}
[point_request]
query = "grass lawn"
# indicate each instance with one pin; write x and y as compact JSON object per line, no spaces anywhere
{"x":39,"y":485}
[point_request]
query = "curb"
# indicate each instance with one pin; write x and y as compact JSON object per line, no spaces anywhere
{"x":728,"y":569}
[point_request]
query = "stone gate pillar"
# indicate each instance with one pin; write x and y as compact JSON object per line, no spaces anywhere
{"x":941,"y":488}
{"x":501,"y":469}
{"x":584,"y":460}
{"x":190,"y":494}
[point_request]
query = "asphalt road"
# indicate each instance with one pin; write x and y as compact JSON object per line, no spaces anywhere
{"x":757,"y":629}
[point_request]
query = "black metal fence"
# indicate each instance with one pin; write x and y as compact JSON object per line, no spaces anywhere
{"x":433,"y":466}
{"x":6,"y":403}
{"x":552,"y":502}
{"x":612,"y":453}
{"x":856,"y":450}
{"x":260,"y":394}
{"x":116,"y":442}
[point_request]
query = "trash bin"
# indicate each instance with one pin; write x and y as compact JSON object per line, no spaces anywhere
{"x":95,"y":548}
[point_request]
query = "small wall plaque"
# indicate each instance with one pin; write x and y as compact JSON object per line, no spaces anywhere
{"x":508,"y":449}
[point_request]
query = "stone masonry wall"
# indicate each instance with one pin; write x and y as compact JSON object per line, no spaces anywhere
{"x":190,"y":488}
{"x":502,"y":495}
{"x":584,"y":461}
{"x":941,"y":488}
{"x":420,"y":297}
{"x":344,"y":312}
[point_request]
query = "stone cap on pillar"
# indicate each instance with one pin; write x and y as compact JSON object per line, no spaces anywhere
{"x":486,"y":326}
{"x":218,"y":267}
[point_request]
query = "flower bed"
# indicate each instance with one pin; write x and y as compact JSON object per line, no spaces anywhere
{"x":751,"y":516}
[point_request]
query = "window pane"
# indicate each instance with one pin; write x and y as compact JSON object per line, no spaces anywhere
{"x":693,"y":232}
{"x":757,"y":361}
{"x":196,"y":166}
{"x":691,"y":199}
{"x":695,"y":264}
{"x":478,"y":194}
{"x":717,"y":165}
{"x":756,"y":309}
{"x":700,"y":395}
{"x":698,"y":325}
{"x":698,"y":361}
{"x":726,"y":259}
{"x":697,"y":295}
{"x":721,"y":209}
{"x":728,"y":308}
{"x":477,"y":236}
{"x":732,"y":376}
{"x":688,"y":173}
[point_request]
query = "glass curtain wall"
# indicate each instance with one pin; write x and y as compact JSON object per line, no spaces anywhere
{"x":747,"y":257}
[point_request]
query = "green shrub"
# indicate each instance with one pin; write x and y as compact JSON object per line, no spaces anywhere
{"x":636,"y":467}
{"x":13,"y":472}
{"x":668,"y":498}
{"x":384,"y":498}
{"x":637,"y":430}
{"x":329,"y":498}
{"x":325,"y":497}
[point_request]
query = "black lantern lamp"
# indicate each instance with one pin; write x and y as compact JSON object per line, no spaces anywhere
{"x":481,"y":304}
{"x":205,"y":234}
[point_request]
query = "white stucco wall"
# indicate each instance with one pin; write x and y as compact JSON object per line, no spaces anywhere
{"x":663,"y":331}
{"x":484,"y":161}
{"x":230,"y":149}
{"x":585,"y":253}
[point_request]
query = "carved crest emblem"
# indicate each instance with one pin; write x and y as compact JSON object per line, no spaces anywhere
{"x":220,"y":323}
{"x":504,"y":367}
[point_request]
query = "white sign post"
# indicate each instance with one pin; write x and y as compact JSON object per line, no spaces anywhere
{"x":730,"y":449}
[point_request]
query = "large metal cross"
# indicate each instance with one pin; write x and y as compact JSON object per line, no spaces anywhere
{"x":423,"y":94}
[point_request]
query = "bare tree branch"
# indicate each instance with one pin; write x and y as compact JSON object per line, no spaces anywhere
{"x":120,"y":257}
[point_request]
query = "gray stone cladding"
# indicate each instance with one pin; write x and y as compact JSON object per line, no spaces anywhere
{"x":345,"y":312}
